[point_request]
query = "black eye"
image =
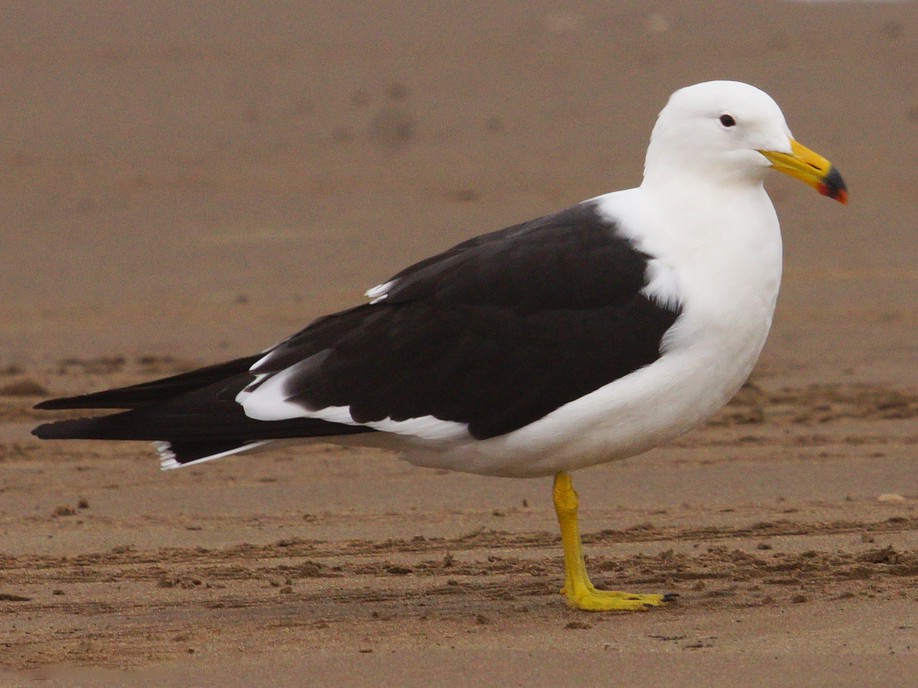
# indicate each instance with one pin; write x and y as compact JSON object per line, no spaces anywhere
{"x":727,"y":120}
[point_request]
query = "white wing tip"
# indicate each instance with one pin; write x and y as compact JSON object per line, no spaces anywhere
{"x":167,"y":460}
{"x":379,"y":292}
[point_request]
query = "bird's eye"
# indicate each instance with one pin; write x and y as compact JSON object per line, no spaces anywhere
{"x":727,"y":120}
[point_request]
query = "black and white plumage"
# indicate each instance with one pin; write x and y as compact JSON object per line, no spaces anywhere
{"x":581,"y":337}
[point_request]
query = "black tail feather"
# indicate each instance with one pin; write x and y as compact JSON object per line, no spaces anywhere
{"x":220,"y":423}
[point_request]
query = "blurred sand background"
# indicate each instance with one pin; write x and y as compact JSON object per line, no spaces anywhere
{"x":187,"y":182}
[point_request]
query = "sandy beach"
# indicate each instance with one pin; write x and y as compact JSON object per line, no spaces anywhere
{"x":183,"y":185}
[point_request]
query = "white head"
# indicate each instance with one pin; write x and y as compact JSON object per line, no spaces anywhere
{"x":728,"y":132}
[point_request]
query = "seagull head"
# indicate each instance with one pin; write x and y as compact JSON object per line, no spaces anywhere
{"x":728,"y":132}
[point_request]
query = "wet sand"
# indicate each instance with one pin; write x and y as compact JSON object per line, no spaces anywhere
{"x":181,"y":187}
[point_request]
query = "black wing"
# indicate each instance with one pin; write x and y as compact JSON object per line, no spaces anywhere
{"x":196,"y":412}
{"x":496,"y":332}
{"x":148,"y":393}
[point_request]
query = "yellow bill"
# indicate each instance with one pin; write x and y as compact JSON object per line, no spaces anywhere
{"x":810,"y":167}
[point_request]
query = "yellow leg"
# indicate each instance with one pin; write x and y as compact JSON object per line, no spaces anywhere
{"x":578,"y":589}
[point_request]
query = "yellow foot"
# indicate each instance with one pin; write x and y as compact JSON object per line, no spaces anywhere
{"x":593,"y":600}
{"x":578,"y":589}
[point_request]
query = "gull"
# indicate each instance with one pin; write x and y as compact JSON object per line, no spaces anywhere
{"x":586,"y":336}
